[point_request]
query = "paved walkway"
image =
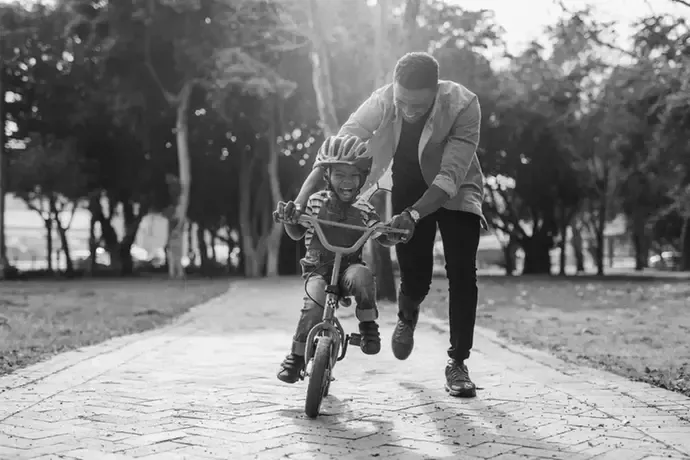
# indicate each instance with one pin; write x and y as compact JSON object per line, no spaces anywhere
{"x":205,"y":387}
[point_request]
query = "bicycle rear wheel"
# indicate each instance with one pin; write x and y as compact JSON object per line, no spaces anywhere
{"x":320,"y":377}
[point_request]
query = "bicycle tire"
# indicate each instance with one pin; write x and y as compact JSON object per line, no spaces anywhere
{"x":319,"y":378}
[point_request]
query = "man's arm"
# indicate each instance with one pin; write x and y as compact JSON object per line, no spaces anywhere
{"x":457,"y":157}
{"x":365,"y":120}
{"x":362,"y":123}
{"x":313,"y":183}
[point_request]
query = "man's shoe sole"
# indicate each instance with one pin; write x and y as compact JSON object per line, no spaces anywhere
{"x":402,"y":350}
{"x":461,"y":393}
{"x":402,"y":356}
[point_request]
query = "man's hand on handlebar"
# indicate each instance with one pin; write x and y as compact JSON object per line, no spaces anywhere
{"x":287,"y":212}
{"x":402,"y":221}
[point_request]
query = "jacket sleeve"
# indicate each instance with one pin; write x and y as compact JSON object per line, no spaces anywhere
{"x":365,"y":120}
{"x":460,"y":149}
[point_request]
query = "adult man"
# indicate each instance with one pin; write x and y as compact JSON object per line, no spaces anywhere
{"x":430,"y":129}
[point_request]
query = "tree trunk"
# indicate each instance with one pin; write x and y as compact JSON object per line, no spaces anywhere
{"x":274,"y":237}
{"x":685,"y":245}
{"x":380,"y":255}
{"x":108,"y":234}
{"x":62,"y":233}
{"x":381,"y":45}
{"x":321,"y":72}
{"x":562,"y":246}
{"x":410,"y":25}
{"x":93,"y":247}
{"x":600,"y":228}
{"x":381,"y":258}
{"x":3,"y":173}
{"x":577,"y":245}
{"x":126,"y":262}
{"x":49,"y":243}
{"x":191,"y":253}
{"x":250,"y":261}
{"x":537,"y":256}
{"x":203,"y":248}
{"x":640,"y":240}
{"x":176,"y":244}
{"x":509,"y":256}
{"x":132,"y":221}
{"x":214,"y":241}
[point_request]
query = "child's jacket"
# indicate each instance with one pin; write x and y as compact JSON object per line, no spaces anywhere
{"x":326,"y":206}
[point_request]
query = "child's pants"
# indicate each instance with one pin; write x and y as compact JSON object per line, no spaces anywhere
{"x":357,"y":280}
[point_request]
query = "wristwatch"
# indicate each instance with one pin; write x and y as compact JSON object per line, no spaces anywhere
{"x":414,"y":214}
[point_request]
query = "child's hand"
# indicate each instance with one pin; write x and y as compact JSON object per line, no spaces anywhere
{"x":287,"y":212}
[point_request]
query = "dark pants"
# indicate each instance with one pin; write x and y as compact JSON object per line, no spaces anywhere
{"x":460,"y":234}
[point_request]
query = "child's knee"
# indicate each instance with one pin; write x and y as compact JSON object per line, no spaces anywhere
{"x":359,"y":281}
{"x":370,"y":313}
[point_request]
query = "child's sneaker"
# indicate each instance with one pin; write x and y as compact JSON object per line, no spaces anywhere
{"x":290,"y":368}
{"x":371,"y":340}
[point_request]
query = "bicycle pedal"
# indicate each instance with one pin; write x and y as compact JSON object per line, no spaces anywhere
{"x":355,"y":339}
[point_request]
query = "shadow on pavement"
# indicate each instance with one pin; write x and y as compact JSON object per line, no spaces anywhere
{"x":350,"y":433}
{"x":484,"y":429}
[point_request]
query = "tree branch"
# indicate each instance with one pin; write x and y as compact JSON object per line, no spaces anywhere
{"x":169,"y":96}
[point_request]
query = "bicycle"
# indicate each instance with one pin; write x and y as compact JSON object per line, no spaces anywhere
{"x":328,"y":337}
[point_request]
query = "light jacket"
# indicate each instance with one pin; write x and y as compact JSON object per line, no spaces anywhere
{"x":447,"y":147}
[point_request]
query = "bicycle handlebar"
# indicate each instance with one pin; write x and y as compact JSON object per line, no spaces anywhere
{"x":367,"y":232}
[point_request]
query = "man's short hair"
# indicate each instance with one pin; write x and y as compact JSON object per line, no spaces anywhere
{"x":417,"y":70}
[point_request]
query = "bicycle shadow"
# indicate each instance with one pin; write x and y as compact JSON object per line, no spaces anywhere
{"x":346,"y":432}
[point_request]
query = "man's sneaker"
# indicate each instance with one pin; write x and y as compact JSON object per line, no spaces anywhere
{"x":402,"y":340}
{"x":458,"y":381}
{"x":290,"y":368}
{"x":371,"y":340}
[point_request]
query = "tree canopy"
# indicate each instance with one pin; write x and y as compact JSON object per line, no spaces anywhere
{"x":207,"y":112}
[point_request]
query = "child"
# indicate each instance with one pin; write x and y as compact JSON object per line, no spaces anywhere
{"x":347,"y":162}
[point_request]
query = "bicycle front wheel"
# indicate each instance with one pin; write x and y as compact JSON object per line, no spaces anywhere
{"x":319,"y":378}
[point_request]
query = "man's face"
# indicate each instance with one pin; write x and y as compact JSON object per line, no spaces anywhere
{"x":413,"y":103}
{"x":345,"y":181}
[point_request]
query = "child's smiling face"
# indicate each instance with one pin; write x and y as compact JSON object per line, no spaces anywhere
{"x":345,"y":181}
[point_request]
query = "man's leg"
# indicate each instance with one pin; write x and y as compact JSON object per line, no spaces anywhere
{"x":460,"y":232}
{"x":311,"y":315}
{"x":416,"y":260}
{"x":358,"y":281}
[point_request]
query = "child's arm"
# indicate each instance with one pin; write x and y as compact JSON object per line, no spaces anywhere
{"x":370,"y":218}
{"x":295,"y":231}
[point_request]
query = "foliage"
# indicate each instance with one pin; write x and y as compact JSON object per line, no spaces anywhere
{"x":570,"y":137}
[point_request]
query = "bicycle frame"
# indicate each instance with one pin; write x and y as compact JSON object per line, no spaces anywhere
{"x":329,"y":321}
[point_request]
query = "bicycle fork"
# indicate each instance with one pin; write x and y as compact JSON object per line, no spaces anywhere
{"x":330,"y":322}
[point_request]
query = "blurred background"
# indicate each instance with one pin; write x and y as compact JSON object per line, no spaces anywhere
{"x":136,"y":127}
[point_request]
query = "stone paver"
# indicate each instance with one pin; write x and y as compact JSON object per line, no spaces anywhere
{"x":205,"y":388}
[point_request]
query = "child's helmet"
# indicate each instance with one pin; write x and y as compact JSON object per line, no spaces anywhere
{"x":345,"y":150}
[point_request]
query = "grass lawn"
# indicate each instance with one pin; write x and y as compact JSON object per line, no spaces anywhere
{"x":41,"y":318}
{"x":633,"y":326}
